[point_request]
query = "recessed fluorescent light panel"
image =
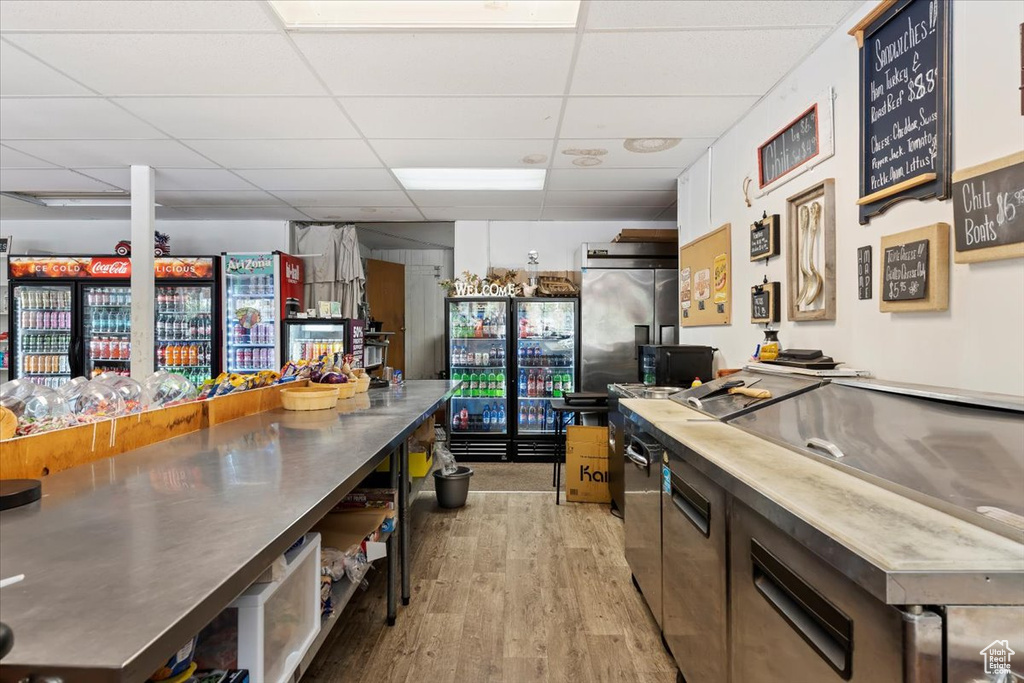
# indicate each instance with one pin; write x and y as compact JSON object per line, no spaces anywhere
{"x":471,"y":178}
{"x":106,"y":199}
{"x":421,"y":14}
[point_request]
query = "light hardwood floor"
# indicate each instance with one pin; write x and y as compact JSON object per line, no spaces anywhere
{"x":508,"y":589}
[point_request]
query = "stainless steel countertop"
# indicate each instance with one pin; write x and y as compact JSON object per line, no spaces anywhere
{"x":129,"y":557}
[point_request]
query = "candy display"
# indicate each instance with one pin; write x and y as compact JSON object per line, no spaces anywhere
{"x":164,"y":388}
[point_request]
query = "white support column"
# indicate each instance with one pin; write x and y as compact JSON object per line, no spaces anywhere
{"x":143,"y":288}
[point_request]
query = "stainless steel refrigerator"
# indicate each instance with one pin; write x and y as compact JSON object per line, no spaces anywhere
{"x":629,"y":298}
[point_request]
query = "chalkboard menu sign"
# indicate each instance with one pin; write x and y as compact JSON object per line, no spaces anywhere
{"x":904,"y":96}
{"x":864,"y":272}
{"x":792,"y":146}
{"x":906,"y":272}
{"x":764,"y":238}
{"x":988,"y":210}
{"x":765,"y":303}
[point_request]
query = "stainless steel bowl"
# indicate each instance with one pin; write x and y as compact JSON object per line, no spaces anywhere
{"x":661,"y":392}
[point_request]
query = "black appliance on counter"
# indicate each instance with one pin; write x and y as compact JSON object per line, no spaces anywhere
{"x":673,"y":365}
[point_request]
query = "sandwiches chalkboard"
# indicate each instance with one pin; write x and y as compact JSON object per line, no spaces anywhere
{"x":988,"y":210}
{"x":904,"y":103}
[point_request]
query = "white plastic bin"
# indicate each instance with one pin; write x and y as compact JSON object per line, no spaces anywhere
{"x":278,"y":621}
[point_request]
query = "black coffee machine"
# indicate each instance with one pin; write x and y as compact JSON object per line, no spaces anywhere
{"x":675,"y":366}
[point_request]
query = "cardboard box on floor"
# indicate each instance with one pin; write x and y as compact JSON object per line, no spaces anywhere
{"x":586,"y":465}
{"x":342,"y":530}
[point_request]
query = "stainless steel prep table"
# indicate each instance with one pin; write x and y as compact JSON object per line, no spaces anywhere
{"x":129,"y":557}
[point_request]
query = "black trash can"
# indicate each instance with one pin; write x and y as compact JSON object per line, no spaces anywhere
{"x":452,"y":489}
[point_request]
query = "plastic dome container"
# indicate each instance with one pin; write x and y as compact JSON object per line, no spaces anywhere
{"x":164,"y":388}
{"x":14,"y":393}
{"x":99,"y":399}
{"x":72,"y":389}
{"x":130,"y":391}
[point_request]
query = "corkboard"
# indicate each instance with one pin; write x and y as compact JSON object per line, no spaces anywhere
{"x":699,"y":261}
{"x":937,"y":292}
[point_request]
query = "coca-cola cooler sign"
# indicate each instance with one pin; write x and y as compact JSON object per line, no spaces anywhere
{"x":291,"y":285}
{"x":84,"y":267}
{"x":185,"y":268}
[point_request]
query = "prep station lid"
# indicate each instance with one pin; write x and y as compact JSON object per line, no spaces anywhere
{"x":728,"y":406}
{"x":957,"y":456}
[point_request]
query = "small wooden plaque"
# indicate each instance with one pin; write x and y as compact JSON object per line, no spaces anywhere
{"x":937,"y":270}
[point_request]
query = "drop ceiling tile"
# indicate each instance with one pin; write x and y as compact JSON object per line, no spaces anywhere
{"x":599,"y":213}
{"x":610,"y":198}
{"x":616,"y":156}
{"x":68,"y":118}
{"x":362,"y":214}
{"x":299,"y":179}
{"x":113,"y":153}
{"x":612,"y":179}
{"x":287,"y":153}
{"x":49,"y":180}
{"x":20,"y":74}
{"x":174,"y":179}
{"x":455,"y":117}
{"x":689,"y":62}
{"x":11,"y":158}
{"x":635,"y":117}
{"x":345,"y":198}
{"x":195,"y":198}
{"x":238,"y":213}
{"x":456,"y":198}
{"x":481,"y":213}
{"x":403,"y":63}
{"x":234,"y":118}
{"x":669,"y":14}
{"x":462,"y":153}
{"x":130,"y":15}
{"x":175,"y":63}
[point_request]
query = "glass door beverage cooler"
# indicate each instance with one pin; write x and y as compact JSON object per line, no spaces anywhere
{"x":312,"y":338}
{"x":546,"y":366}
{"x":480,"y":415}
{"x":187,"y":334}
{"x":260,"y":291}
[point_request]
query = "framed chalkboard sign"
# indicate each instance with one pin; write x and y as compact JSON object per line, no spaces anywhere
{"x":764,"y":238}
{"x":904,"y":103}
{"x":864,"y":272}
{"x":915,"y":270}
{"x":765,"y":305}
{"x":988,"y":210}
{"x":802,"y":143}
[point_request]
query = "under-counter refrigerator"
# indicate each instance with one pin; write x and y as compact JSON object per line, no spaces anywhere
{"x":477,"y":332}
{"x":259,"y":291}
{"x":546,"y":352}
{"x":312,"y":338}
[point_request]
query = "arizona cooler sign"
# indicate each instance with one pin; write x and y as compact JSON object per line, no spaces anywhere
{"x":83,"y":267}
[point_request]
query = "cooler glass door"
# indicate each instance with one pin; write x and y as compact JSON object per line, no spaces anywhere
{"x":106,"y":329}
{"x":476,"y":355}
{"x":184,"y":331}
{"x":41,"y":321}
{"x":250,"y":322}
{"x":313,"y":340}
{"x":546,"y":358}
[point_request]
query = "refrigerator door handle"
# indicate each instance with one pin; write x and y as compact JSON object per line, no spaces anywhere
{"x":661,"y":334}
{"x":641,"y":336}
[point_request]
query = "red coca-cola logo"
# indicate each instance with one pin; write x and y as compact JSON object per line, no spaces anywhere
{"x":110,"y":267}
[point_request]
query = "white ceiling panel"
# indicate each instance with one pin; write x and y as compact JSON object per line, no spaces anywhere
{"x":637,"y":117}
{"x":689,"y":62}
{"x":176,"y":63}
{"x":663,"y":179}
{"x":455,"y":117}
{"x":132,"y":15}
{"x":349,"y":213}
{"x":68,"y":118}
{"x":241,"y":213}
{"x":610,"y":198}
{"x":599,"y":213}
{"x":462,"y":153}
{"x":349,"y":198}
{"x":481,"y":213}
{"x":434,"y":234}
{"x":10,"y":158}
{"x":423,"y":198}
{"x":441,"y":63}
{"x":616,"y":156}
{"x":113,"y":153}
{"x":756,"y":14}
{"x":196,"y":198}
{"x":48,"y":180}
{"x":288,"y":153}
{"x":299,"y":179}
{"x":233,"y":118}
{"x":174,"y":179}
{"x":20,"y":74}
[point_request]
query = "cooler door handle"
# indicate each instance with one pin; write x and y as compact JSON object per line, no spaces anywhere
{"x":636,"y":458}
{"x":827,"y":446}
{"x":694,"y":506}
{"x":821,"y":624}
{"x":641,"y":337}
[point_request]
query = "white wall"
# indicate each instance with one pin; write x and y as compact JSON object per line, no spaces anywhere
{"x":480,"y":245}
{"x":977,"y":343}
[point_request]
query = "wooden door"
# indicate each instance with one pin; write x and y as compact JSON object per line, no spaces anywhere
{"x":385,"y":292}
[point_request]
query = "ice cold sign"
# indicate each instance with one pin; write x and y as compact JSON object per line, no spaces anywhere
{"x":906,"y":272}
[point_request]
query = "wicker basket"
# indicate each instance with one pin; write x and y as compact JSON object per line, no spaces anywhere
{"x":362,"y":384}
{"x":316,"y":397}
{"x":347,"y":390}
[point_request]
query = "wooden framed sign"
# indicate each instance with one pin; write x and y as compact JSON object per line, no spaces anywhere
{"x":800,"y":145}
{"x":915,"y":270}
{"x":765,"y":305}
{"x":904,"y":103}
{"x":764,"y":238}
{"x":988,"y":210}
{"x":705,"y":279}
